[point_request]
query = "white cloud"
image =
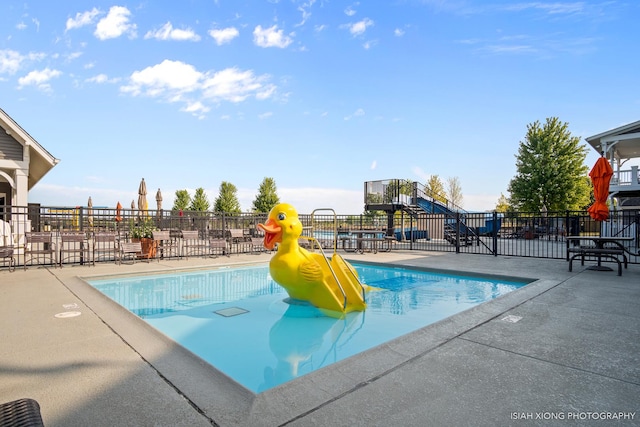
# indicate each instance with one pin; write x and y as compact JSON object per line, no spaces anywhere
{"x":266,"y":115}
{"x":82,"y":19}
{"x":10,"y":61}
{"x":358,"y":28}
{"x":224,"y":35}
{"x":374,"y":165}
{"x":40,"y":79}
{"x":73,"y":55}
{"x":398,"y":32}
{"x":171,"y":76}
{"x":102,"y":78}
{"x":349,"y":12}
{"x":176,"y":81}
{"x":304,"y":9}
{"x":233,"y":85}
{"x":197,"y":108}
{"x":358,"y":113}
{"x":115,"y":24}
{"x":369,"y":44}
{"x":21,"y":26}
{"x":271,"y":37}
{"x":167,"y":32}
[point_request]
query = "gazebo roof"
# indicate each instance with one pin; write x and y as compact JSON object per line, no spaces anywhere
{"x":623,"y":140}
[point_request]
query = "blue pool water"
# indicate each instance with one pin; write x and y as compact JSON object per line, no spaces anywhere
{"x":240,"y":321}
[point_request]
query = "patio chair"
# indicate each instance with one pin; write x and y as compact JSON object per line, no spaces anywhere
{"x":236,"y":235}
{"x":166,"y":244}
{"x":218,"y":246}
{"x":73,"y":245}
{"x":39,"y":244}
{"x":105,"y":243}
{"x":132,"y":250}
{"x":21,"y":412}
{"x":257,"y":245}
{"x":6,"y":255}
{"x":193,"y":244}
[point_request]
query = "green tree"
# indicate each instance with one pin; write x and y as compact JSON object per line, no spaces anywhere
{"x":267,"y":196}
{"x":550,"y":170}
{"x":200,"y":201}
{"x":503,"y":204}
{"x":435,"y":189}
{"x":454,"y":191}
{"x":227,"y":200}
{"x":181,"y":201}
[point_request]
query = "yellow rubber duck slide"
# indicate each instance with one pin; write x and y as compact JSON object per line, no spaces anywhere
{"x":332,"y":286}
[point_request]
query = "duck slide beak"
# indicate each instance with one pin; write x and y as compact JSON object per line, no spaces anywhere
{"x":272,"y":233}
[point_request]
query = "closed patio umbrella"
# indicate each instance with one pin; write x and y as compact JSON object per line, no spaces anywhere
{"x":142,"y":199}
{"x":600,"y":176}
{"x":118,"y":212}
{"x":90,"y":211}
{"x":158,"y":202}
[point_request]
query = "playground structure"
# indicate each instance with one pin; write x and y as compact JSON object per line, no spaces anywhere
{"x":414,"y":199}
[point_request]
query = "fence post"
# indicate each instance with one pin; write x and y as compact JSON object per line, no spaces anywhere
{"x":495,"y":233}
{"x":457,"y":232}
{"x":568,"y":230}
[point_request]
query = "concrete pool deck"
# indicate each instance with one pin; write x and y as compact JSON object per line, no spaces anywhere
{"x":563,"y":350}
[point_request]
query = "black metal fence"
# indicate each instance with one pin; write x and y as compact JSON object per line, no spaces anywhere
{"x":521,"y":234}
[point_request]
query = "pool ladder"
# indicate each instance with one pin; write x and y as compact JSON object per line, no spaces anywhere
{"x":313,"y":240}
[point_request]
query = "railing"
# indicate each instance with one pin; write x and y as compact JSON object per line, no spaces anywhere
{"x":521,"y":234}
{"x":626,"y":178}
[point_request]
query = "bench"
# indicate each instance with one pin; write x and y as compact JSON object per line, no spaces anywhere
{"x":609,"y":253}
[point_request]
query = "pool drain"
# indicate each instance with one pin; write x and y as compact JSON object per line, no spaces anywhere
{"x":231,"y":311}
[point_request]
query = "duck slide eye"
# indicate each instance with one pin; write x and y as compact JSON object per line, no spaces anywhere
{"x":281,"y":216}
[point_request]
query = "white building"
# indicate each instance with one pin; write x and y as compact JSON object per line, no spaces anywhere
{"x":619,"y":146}
{"x":23,"y":162}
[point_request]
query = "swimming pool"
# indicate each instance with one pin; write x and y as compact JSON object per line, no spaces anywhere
{"x":241,"y":322}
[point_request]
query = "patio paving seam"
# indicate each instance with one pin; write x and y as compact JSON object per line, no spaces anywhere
{"x":416,"y":357}
{"x":147,"y":362}
{"x":550,"y":362}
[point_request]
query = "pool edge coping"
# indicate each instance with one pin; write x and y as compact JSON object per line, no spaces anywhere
{"x":226,"y":402}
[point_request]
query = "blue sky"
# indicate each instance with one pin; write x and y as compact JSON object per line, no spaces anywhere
{"x":319,"y":95}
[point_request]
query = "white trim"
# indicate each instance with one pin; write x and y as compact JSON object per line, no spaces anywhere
{"x":616,"y":138}
{"x":9,"y":179}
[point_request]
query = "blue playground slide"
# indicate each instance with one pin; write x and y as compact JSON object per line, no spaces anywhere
{"x":438,"y":208}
